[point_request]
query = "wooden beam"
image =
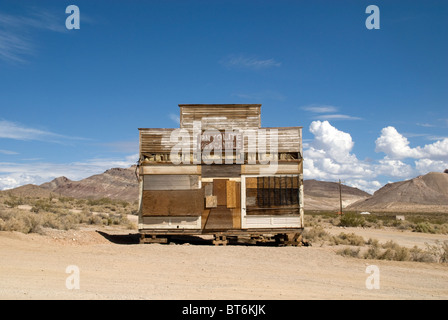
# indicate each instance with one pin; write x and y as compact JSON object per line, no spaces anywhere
{"x":171,"y":169}
{"x":290,"y":168}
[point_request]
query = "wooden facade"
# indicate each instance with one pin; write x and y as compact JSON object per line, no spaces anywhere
{"x":221,"y":173}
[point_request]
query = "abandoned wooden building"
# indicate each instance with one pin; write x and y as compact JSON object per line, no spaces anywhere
{"x":221,"y":173}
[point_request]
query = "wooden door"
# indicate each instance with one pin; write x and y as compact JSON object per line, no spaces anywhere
{"x":219,"y":217}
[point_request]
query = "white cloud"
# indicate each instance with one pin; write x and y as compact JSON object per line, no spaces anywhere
{"x":327,"y":112}
{"x":13,"y":47}
{"x":426,"y":125}
{"x":13,"y":175}
{"x":424,"y":166}
{"x":329,"y":157}
{"x":320,"y":108}
{"x":337,"y":117}
{"x":175,"y":118}
{"x":369,"y":186}
{"x":15,"y":40}
{"x":17,"y":131}
{"x":396,"y":146}
{"x":437,"y":150}
{"x":8,"y":152}
{"x":254,"y":63}
{"x":394,"y":168}
{"x":335,"y":143}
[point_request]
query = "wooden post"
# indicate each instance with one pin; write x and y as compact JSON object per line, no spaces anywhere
{"x":340,"y":197}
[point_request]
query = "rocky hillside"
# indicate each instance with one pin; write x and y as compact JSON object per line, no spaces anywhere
{"x":116,"y":183}
{"x":426,"y":193}
{"x":323,"y":195}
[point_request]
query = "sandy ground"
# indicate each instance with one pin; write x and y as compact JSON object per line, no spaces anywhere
{"x":113,"y":267}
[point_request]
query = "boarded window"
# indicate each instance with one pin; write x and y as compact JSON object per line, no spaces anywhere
{"x":273,"y":195}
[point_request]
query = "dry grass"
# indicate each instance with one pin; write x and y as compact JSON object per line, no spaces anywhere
{"x":390,"y":250}
{"x":61,"y":213}
{"x":355,"y":246}
{"x":430,"y":222}
{"x":318,"y":235}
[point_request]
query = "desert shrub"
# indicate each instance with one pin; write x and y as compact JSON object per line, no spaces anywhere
{"x":94,"y":219}
{"x":56,"y":213}
{"x":14,"y":201}
{"x":51,"y":220}
{"x":350,"y":219}
{"x":424,"y":227}
{"x":101,"y":202}
{"x":66,"y":199}
{"x":349,"y":252}
{"x":373,"y":252}
{"x":403,"y":225}
{"x":21,"y":221}
{"x":349,"y":239}
{"x":315,"y":234}
{"x":395,"y":252}
{"x":420,"y":255}
{"x":388,"y":251}
{"x":41,"y":205}
{"x":439,"y":251}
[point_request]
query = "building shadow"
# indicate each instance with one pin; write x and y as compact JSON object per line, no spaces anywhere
{"x":131,"y":238}
{"x":134,"y":238}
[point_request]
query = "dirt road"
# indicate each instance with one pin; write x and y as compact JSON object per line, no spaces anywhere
{"x":34,"y":267}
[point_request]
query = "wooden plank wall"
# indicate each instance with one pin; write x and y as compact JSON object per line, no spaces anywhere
{"x":219,"y":190}
{"x":220,"y":116}
{"x":170,"y":182}
{"x":221,"y":171}
{"x":213,"y":191}
{"x":155,"y":141}
{"x":289,"y":139}
{"x":173,"y":203}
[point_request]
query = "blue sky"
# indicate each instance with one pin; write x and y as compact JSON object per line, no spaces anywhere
{"x":373,"y":103}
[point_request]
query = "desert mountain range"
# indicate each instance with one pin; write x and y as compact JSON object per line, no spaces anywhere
{"x":116,"y":183}
{"x":426,"y":193}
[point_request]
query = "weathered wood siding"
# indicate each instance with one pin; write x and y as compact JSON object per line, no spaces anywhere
{"x":155,"y":140}
{"x":171,"y":182}
{"x":173,"y":203}
{"x":220,"y":116}
{"x":210,"y":196}
{"x":221,"y":170}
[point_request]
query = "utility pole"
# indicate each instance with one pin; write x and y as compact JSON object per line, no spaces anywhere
{"x":340,"y":197}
